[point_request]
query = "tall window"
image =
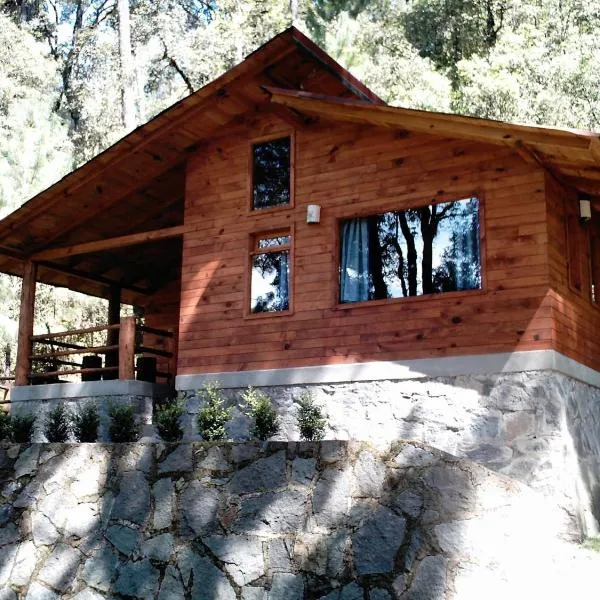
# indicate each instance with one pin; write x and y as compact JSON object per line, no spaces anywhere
{"x":270,"y":273}
{"x":271,"y":173}
{"x":418,"y":251}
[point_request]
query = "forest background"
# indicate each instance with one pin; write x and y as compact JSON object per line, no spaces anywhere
{"x":77,"y":75}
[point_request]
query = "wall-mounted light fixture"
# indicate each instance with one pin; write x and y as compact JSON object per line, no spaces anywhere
{"x":585,"y":207}
{"x":313,"y":213}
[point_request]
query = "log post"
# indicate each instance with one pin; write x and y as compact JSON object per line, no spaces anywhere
{"x":114,"y":315}
{"x":127,"y":348}
{"x":23,"y":367}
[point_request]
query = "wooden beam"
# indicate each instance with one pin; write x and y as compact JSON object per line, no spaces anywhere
{"x":109,"y":244}
{"x":447,"y":125}
{"x":112,"y":338}
{"x":25,"y":334}
{"x":127,"y":348}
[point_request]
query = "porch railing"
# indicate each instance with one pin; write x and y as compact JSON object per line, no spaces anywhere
{"x":51,"y":353}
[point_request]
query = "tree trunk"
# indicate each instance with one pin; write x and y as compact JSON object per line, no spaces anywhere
{"x":411,"y":255}
{"x":427,"y":233}
{"x":375,"y":260}
{"x":128,"y":110}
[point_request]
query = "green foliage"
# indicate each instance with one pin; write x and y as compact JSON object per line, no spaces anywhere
{"x":22,"y":427}
{"x":85,"y":424}
{"x":259,"y":407}
{"x":592,"y":543}
{"x":57,"y":424}
{"x":312,"y":421}
{"x":213,"y":416}
{"x":166,"y":419}
{"x":123,"y":426}
{"x":5,"y":427}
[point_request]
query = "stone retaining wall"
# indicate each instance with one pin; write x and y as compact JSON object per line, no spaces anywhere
{"x":541,"y":428}
{"x":281,"y":521}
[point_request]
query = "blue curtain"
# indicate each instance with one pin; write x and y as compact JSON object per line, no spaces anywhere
{"x":284,"y":281}
{"x":354,"y":267}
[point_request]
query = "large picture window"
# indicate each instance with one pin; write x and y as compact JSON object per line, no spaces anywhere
{"x":270,"y":273}
{"x":424,"y":250}
{"x":271,"y":162}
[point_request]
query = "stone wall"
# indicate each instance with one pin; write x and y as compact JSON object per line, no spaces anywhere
{"x":277,"y":521}
{"x":541,"y":428}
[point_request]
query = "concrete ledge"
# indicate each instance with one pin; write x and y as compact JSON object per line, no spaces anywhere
{"x":451,"y":366}
{"x":53,"y":391}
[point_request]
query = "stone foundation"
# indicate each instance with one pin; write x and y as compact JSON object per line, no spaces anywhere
{"x":541,"y":428}
{"x":277,"y":521}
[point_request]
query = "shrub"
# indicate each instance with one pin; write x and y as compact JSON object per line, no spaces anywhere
{"x":56,"y":424}
{"x":213,"y":416}
{"x":5,"y":428}
{"x":123,"y":425}
{"x":259,"y":407}
{"x":166,"y":419}
{"x":312,"y":421}
{"x":85,"y":424}
{"x":22,"y":428}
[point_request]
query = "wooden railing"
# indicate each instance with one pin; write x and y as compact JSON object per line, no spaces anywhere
{"x":51,"y":352}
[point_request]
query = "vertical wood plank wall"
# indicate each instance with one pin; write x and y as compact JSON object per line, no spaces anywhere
{"x":352,"y":170}
{"x":576,"y":318}
{"x":162,"y":312}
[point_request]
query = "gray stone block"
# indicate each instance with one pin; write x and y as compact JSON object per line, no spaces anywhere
{"x":40,"y":592}
{"x":209,"y":583}
{"x":376,"y":543}
{"x":276,"y":512}
{"x":159,"y":548}
{"x":9,"y":534}
{"x":261,"y":475}
{"x":330,"y":498}
{"x":99,"y":570}
{"x":171,"y":587}
{"x":60,"y":567}
{"x":25,"y":562}
{"x":369,"y":475}
{"x":133,"y":501}
{"x":137,"y":579}
{"x":125,"y":539}
{"x":381,"y":594}
{"x":430,"y":579}
{"x":241,"y":554}
{"x":27,"y":462}
{"x":286,"y":586}
{"x":352,"y":591}
{"x":303,"y":470}
{"x":280,"y":555}
{"x":162,"y":492}
{"x":199,"y":507}
{"x":178,"y":460}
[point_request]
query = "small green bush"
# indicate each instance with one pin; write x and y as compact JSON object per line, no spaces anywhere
{"x":57,"y":424}
{"x":5,"y":428}
{"x":123,"y":425}
{"x":259,"y":407}
{"x":22,"y":428}
{"x":213,"y":416}
{"x":166,"y":419}
{"x":85,"y":424}
{"x":312,"y":421}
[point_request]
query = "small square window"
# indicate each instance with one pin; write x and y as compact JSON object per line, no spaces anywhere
{"x":271,"y":173}
{"x":270,"y":273}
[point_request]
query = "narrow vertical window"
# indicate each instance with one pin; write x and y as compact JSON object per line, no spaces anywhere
{"x":270,"y":274}
{"x":271,"y":173}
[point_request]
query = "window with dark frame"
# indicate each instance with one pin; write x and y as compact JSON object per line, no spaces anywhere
{"x":270,"y":273}
{"x":425,"y":250}
{"x":271,"y":162}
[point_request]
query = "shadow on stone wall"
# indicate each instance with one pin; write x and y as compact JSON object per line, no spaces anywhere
{"x":248,"y":521}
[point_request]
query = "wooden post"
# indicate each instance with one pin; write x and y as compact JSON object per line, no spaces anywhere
{"x":127,"y":348}
{"x":114,"y":315}
{"x":26,"y":324}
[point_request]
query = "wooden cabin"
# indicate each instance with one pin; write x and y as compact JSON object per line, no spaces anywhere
{"x":284,"y":217}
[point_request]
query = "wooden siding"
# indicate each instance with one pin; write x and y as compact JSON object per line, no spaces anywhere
{"x":356,"y":170}
{"x":162,"y":312}
{"x":576,"y":318}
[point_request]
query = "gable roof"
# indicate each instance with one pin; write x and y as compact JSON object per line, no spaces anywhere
{"x":138,"y":184}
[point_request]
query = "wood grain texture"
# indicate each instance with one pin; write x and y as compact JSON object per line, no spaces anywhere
{"x":355,"y":170}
